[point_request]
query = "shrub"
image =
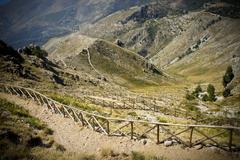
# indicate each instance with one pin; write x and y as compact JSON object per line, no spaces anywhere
{"x":227,"y":78}
{"x":107,"y":152}
{"x":48,"y":131}
{"x":190,"y":97}
{"x":152,"y":31}
{"x":197,"y":90}
{"x":60,"y":147}
{"x":162,"y":119}
{"x":36,"y":123}
{"x":134,"y":114}
{"x":226,"y":92}
{"x":211,"y":93}
{"x":194,"y":94}
{"x":37,"y":51}
{"x":205,"y":97}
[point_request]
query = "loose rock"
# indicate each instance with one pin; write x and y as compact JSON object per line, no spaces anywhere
{"x":168,"y":143}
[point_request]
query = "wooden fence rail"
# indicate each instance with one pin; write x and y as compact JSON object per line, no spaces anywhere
{"x":189,"y":135}
{"x":176,"y":112}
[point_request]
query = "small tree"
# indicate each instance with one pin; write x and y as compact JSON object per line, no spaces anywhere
{"x":227,"y":78}
{"x":211,"y":93}
{"x":198,"y":90}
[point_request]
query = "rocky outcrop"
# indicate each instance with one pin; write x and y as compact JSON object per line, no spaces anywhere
{"x":153,"y":11}
{"x":224,"y":9}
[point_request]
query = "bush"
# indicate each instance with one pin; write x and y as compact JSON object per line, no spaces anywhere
{"x":134,"y":114}
{"x":197,"y":90}
{"x":35,"y":123}
{"x":227,"y":78}
{"x":190,"y":97}
{"x":226,"y":92}
{"x":211,"y":93}
{"x":60,"y":147}
{"x":205,"y":97}
{"x":152,"y":31}
{"x":107,"y":152}
{"x":48,"y":131}
{"x":194,"y":94}
{"x":162,"y":119}
{"x":37,"y":51}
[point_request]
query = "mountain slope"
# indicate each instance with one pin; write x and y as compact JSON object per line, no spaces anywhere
{"x":37,"y":21}
{"x":204,"y":51}
{"x":148,"y":29}
{"x":103,"y":59}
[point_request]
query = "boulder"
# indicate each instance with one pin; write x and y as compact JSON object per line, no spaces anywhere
{"x":168,"y":143}
{"x":119,"y":43}
{"x":144,"y":141}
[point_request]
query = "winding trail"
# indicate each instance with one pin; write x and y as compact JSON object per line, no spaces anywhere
{"x":80,"y":139}
{"x":90,"y":62}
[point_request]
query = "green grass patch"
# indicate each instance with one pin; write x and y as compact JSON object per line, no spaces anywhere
{"x":21,"y":113}
{"x":69,"y":100}
{"x":162,"y":119}
{"x":140,"y":156}
{"x":134,"y":114}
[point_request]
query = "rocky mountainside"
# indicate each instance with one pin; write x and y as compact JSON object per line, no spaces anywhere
{"x":37,"y":21}
{"x":149,"y":28}
{"x":101,"y":58}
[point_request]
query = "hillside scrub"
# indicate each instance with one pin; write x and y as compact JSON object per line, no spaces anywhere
{"x":34,"y":50}
{"x":211,"y":93}
{"x":194,"y":94}
{"x":20,"y":132}
{"x":210,"y":96}
{"x":140,"y":156}
{"x":69,"y":100}
{"x":228,"y":76}
{"x":23,"y":136}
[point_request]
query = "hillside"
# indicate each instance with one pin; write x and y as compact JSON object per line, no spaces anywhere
{"x":102,"y":59}
{"x":148,"y":29}
{"x":111,"y":79}
{"x":178,"y":37}
{"x":37,"y":21}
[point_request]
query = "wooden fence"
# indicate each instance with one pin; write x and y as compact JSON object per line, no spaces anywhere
{"x":224,"y":137}
{"x":142,"y":104}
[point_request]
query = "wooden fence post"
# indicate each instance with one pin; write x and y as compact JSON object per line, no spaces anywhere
{"x":158,"y":130}
{"x":190,"y":138}
{"x":230,"y":139}
{"x":131,"y":129}
{"x":108,"y":127}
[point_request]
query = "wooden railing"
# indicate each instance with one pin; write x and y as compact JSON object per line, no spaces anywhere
{"x":189,"y":135}
{"x":145,"y":105}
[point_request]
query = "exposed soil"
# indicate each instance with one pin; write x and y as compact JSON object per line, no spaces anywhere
{"x":76,"y":138}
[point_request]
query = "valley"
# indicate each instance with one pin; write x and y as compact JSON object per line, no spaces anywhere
{"x":138,"y":80}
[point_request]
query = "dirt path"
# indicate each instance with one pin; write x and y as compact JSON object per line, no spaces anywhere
{"x":80,"y":139}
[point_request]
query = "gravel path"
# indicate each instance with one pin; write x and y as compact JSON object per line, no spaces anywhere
{"x":80,"y":139}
